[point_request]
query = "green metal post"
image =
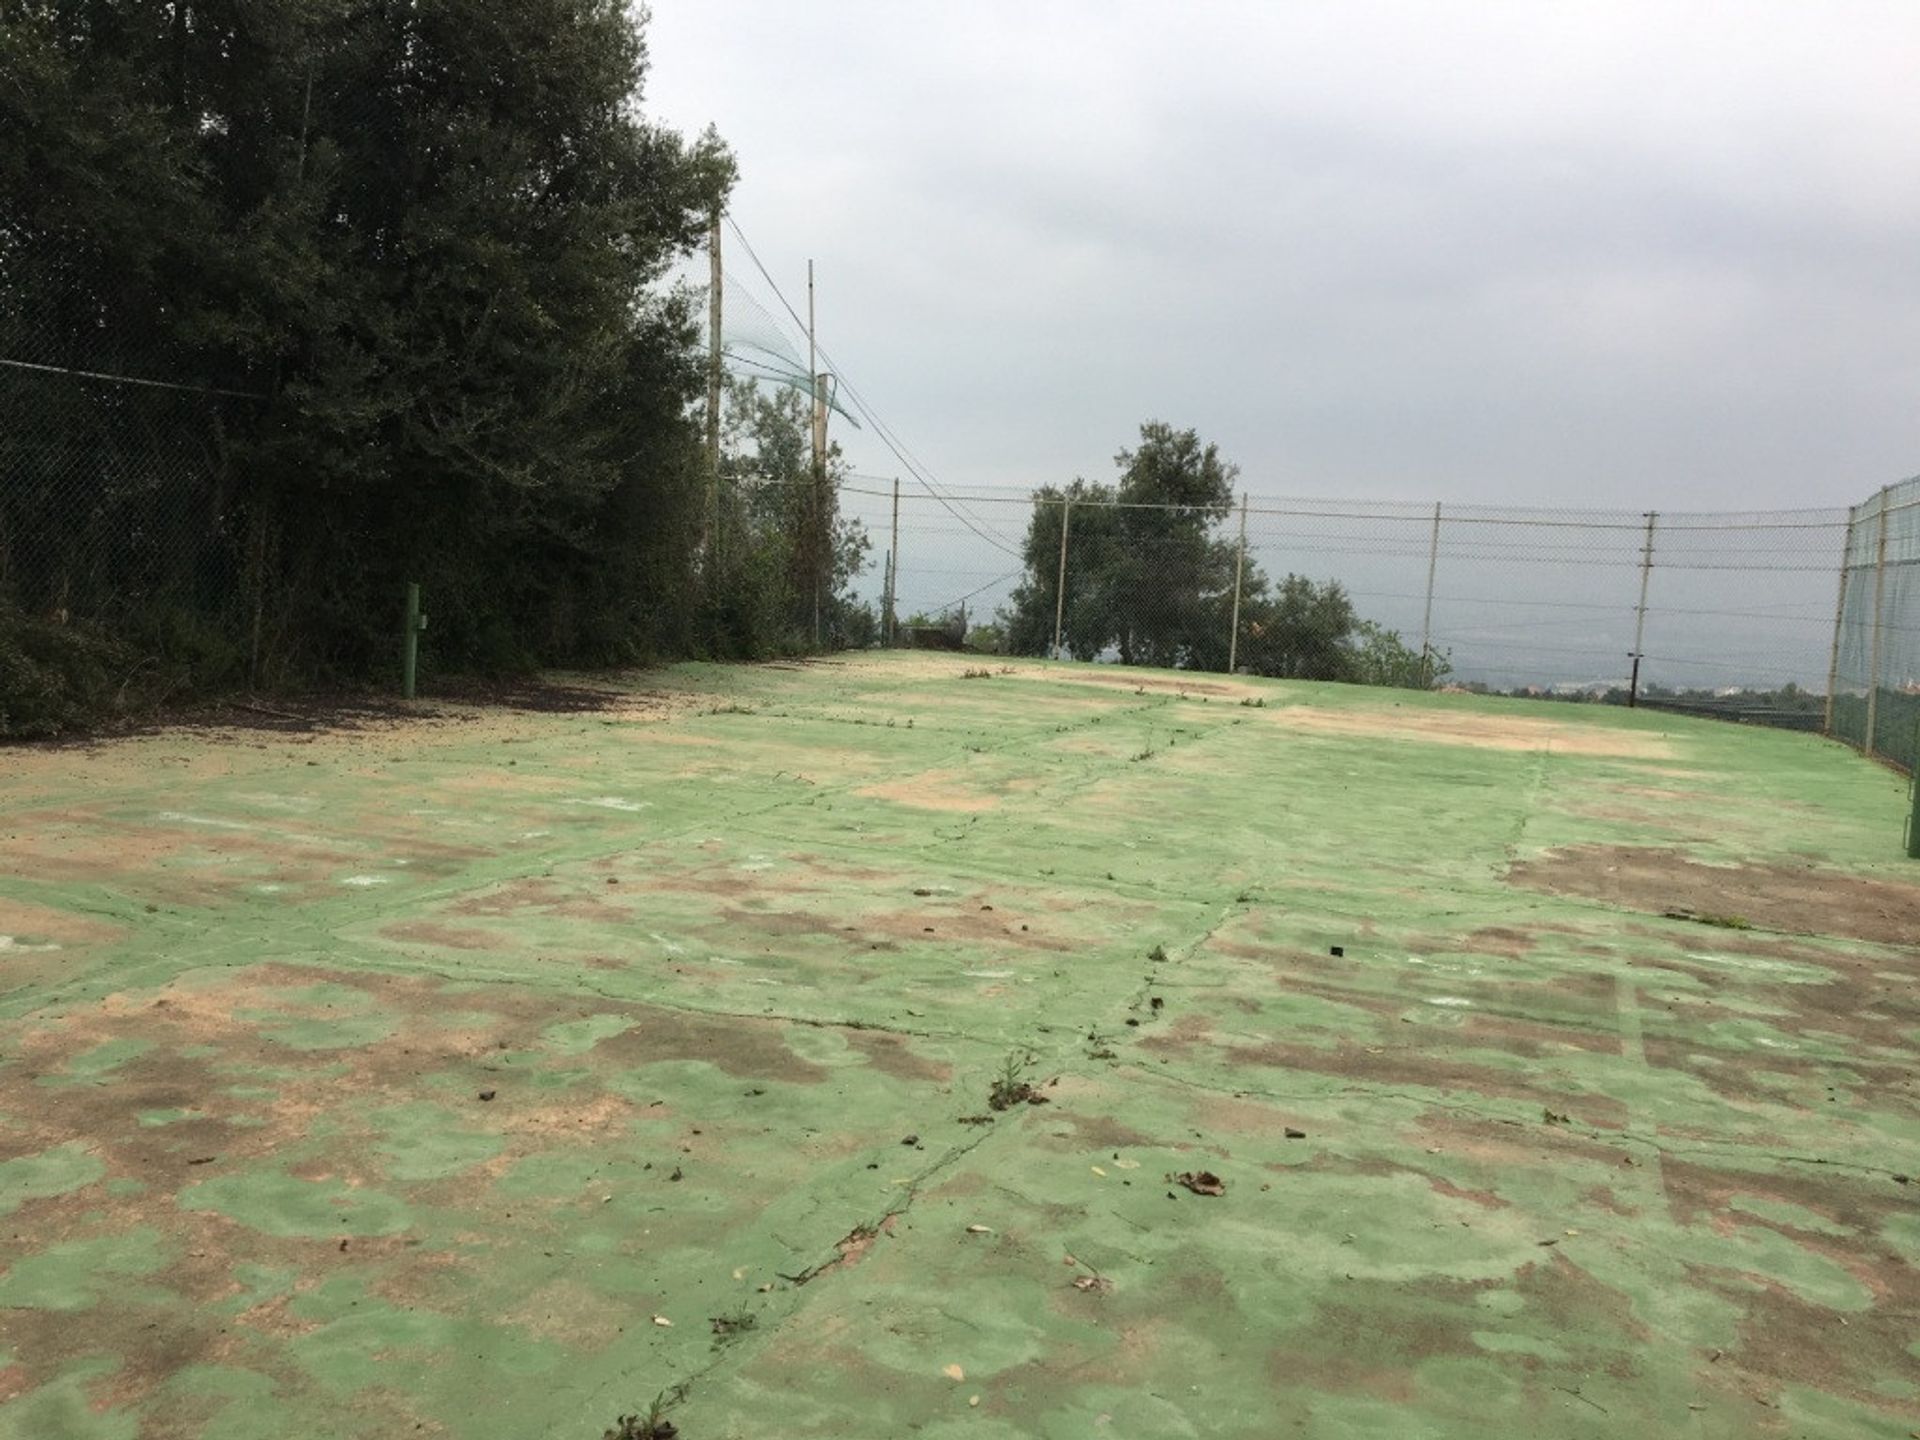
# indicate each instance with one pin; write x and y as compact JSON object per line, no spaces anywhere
{"x":410,"y":639}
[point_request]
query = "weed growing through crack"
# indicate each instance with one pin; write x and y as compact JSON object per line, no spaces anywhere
{"x":1011,"y":1086}
{"x":1719,"y":922}
{"x":973,"y":673}
{"x":654,"y":1425}
{"x":734,"y":1323}
{"x":732,"y":707}
{"x":1255,"y":702}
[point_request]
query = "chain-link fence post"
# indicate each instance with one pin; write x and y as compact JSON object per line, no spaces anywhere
{"x":893,"y":573}
{"x":1060,"y":588}
{"x":1879,"y":598}
{"x":1426,"y":622}
{"x":1239,"y":571}
{"x":1839,"y":617}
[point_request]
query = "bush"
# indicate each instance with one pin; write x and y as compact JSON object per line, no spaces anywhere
{"x":55,"y":678}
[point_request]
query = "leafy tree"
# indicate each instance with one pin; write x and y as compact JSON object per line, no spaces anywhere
{"x":1381,"y":657}
{"x":1093,"y":539}
{"x":1150,"y":579}
{"x":782,"y":543}
{"x":1296,"y":630}
{"x":1167,"y":573}
{"x":435,"y":238}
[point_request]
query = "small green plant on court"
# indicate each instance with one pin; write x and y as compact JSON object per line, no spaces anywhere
{"x":1146,"y":754}
{"x":1255,"y":702}
{"x":734,"y":1323}
{"x":1011,"y":1086}
{"x":1708,"y":917}
{"x":732,"y":707}
{"x":976,"y":673}
{"x":654,"y":1425}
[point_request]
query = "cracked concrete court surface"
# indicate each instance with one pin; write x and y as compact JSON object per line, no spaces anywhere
{"x":484,"y":1076}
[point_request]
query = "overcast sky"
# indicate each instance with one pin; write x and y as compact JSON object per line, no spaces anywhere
{"x":1648,"y":254}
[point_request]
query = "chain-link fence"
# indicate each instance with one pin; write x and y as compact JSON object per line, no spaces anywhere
{"x":1875,"y":682}
{"x":1723,"y":613}
{"x":115,"y":505}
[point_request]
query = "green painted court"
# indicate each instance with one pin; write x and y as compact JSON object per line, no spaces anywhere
{"x":489,"y":1074}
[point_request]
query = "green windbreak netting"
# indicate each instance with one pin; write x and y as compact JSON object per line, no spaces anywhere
{"x":1876,"y":691}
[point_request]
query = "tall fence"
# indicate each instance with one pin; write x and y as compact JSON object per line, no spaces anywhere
{"x":1727,"y":613}
{"x":115,"y":501}
{"x":1875,"y":683}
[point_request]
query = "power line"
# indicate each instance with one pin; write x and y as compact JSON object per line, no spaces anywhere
{"x":133,"y":380}
{"x":973,"y":522}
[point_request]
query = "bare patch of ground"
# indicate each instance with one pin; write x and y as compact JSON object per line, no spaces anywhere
{"x":1152,"y":682}
{"x":932,"y":790}
{"x":1475,"y":730}
{"x":1799,"y":900}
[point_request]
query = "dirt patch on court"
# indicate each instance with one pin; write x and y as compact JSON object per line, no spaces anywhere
{"x":1799,"y":900}
{"x":446,"y":937}
{"x":1784,"y":1335}
{"x":1151,"y":683}
{"x":1403,"y":1067}
{"x":27,"y":924}
{"x":933,"y":790}
{"x":1475,"y":730}
{"x":891,"y":1055}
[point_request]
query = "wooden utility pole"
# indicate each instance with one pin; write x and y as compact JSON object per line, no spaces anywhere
{"x":818,"y":427}
{"x":1640,"y":614}
{"x":712,"y":545}
{"x":1239,"y":570}
{"x":1060,"y":589}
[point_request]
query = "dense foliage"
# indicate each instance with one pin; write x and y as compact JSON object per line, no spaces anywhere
{"x":1150,"y":579}
{"x":426,"y":243}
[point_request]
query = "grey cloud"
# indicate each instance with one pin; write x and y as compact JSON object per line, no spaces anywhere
{"x":1534,"y":253}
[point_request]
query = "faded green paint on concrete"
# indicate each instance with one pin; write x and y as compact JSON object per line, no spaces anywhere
{"x":287,"y":1205}
{"x":1516,"y":1163}
{"x":80,"y":1274}
{"x":61,"y":1410}
{"x":425,"y":1142}
{"x":58,"y":1171}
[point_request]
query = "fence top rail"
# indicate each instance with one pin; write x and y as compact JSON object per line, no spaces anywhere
{"x":1416,"y":513}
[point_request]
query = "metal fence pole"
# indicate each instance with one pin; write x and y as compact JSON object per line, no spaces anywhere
{"x":1879,"y":598}
{"x":1839,"y":617}
{"x":893,"y":575}
{"x":1426,"y":623}
{"x":1239,"y":570}
{"x":1060,"y":589}
{"x":1640,"y":613}
{"x":411,"y":627}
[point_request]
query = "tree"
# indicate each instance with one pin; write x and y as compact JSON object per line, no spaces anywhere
{"x":1168,"y":573}
{"x":1296,"y":630}
{"x":782,"y":542}
{"x":1028,"y":620}
{"x":1147,"y":582}
{"x":434,"y":239}
{"x":1149,"y":579}
{"x":1381,"y":657}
